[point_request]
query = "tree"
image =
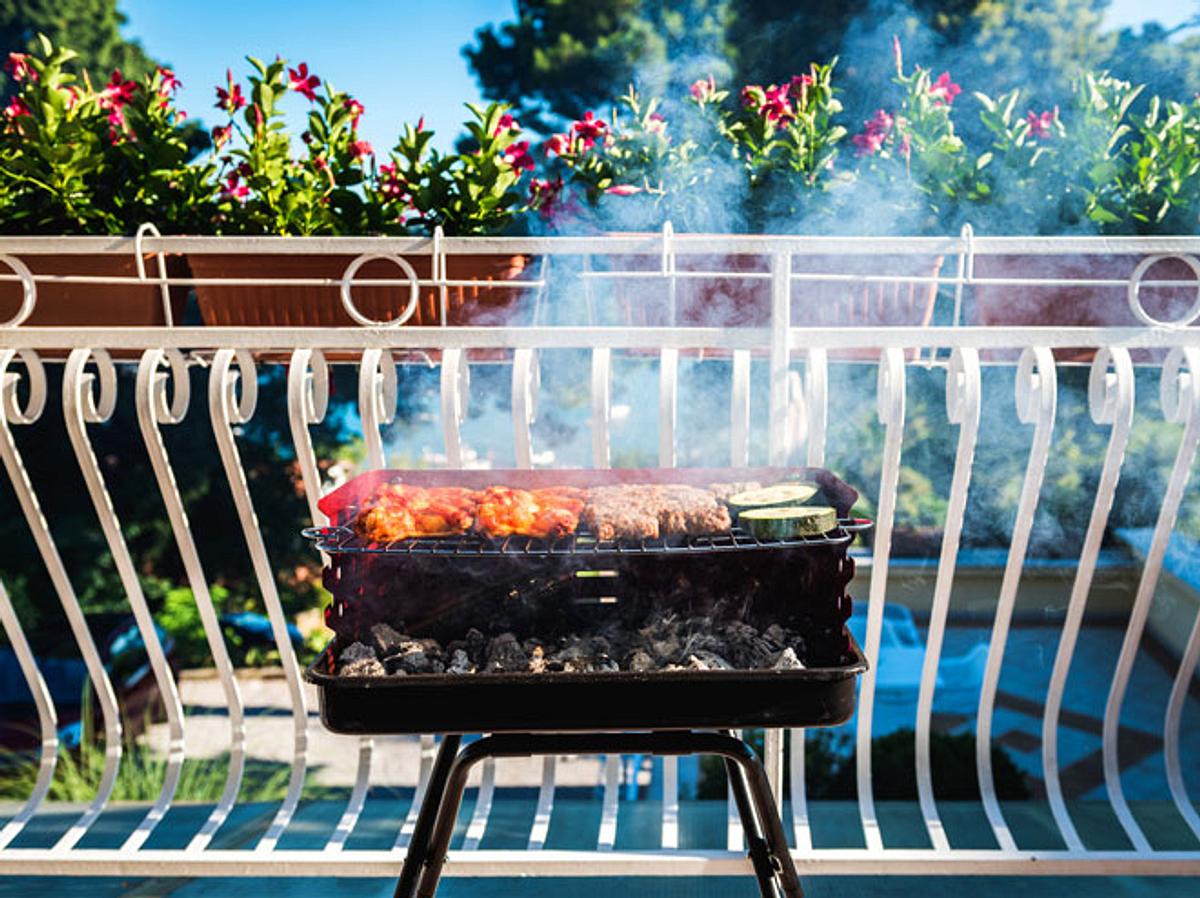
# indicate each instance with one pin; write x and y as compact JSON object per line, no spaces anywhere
{"x":92,"y":28}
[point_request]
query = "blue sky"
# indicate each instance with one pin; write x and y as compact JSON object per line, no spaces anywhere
{"x":401,"y":58}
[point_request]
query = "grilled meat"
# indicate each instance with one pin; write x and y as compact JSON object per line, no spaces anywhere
{"x":545,"y":513}
{"x":642,"y":510}
{"x":398,"y":511}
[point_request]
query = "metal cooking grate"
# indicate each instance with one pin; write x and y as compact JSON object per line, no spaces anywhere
{"x":345,"y":540}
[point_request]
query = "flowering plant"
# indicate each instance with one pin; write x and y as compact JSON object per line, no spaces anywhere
{"x":76,"y":157}
{"x":474,"y":192}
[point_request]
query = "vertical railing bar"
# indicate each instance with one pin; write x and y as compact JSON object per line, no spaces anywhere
{"x":891,"y":401}
{"x":734,"y":833}
{"x":668,"y":405}
{"x":1115,"y":407}
{"x":601,"y":405}
{"x":545,"y":805}
{"x":483,"y":807}
{"x":1167,"y":515}
{"x":607,"y":837}
{"x":153,"y":408}
{"x":426,"y":744}
{"x":377,"y":391}
{"x":47,"y":719}
{"x":801,"y":827}
{"x":739,"y":410}
{"x":962,"y":407}
{"x":80,"y":407}
{"x":670,"y":815}
{"x":1037,"y":397}
{"x":31,"y":509}
{"x":455,"y":385}
{"x":225,"y":408}
{"x":817,"y":402}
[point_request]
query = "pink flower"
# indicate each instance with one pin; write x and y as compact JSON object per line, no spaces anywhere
{"x":117,"y":93}
{"x":361,"y":148}
{"x":230,"y":99}
{"x":556,"y":144}
{"x":506,"y":123}
{"x":703,"y":90}
{"x":168,"y":83}
{"x":944,"y":90}
{"x":589,"y":129}
{"x":800,"y":86}
{"x":656,"y":124}
{"x":544,"y":195}
{"x":420,"y":124}
{"x":19,"y":68}
{"x":355,"y":109}
{"x":391,"y":184}
{"x":221,"y":135}
{"x":870,"y":140}
{"x":517,"y":156}
{"x":116,"y":125}
{"x":771,"y":102}
{"x":233,"y":189}
{"x":16,"y":108}
{"x":302,"y":82}
{"x":623,"y":189}
{"x":1040,"y":125}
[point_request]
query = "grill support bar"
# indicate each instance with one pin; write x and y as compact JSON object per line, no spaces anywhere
{"x":773,"y":865}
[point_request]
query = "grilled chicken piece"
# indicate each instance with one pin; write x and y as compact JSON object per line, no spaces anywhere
{"x":544,"y":513}
{"x":399,"y":511}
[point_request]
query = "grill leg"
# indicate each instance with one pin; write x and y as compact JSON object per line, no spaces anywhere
{"x":773,"y":866}
{"x":435,"y":790}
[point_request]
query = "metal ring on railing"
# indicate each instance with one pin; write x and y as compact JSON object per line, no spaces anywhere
{"x":1179,"y":391}
{"x":144,"y":228}
{"x":28,"y":291}
{"x":963,"y":387}
{"x":890,"y":385}
{"x":1036,"y":385}
{"x":314,"y":384}
{"x":35,"y":402}
{"x":241,"y":383}
{"x":97,"y":407}
{"x":1110,"y":391}
{"x":414,"y":293}
{"x":164,"y":410}
{"x":1135,"y":287}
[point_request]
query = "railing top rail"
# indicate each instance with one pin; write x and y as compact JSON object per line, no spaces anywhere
{"x":631,"y":243}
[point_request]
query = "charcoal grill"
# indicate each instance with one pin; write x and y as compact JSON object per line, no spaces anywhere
{"x":438,"y":587}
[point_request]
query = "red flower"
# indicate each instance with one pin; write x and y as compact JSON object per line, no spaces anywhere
{"x":231,"y":99}
{"x":517,"y":156}
{"x":221,"y":135}
{"x":506,"y":123}
{"x":623,"y":189}
{"x":116,"y":125}
{"x":800,"y":86}
{"x":944,"y":90}
{"x":703,"y":90}
{"x":169,"y":83}
{"x":656,"y":124}
{"x":870,"y":140}
{"x":16,"y":108}
{"x":361,"y":148}
{"x":321,"y":163}
{"x":556,"y":144}
{"x":589,"y":129}
{"x":117,"y":93}
{"x":19,"y":68}
{"x":1040,"y":125}
{"x":391,"y":183}
{"x":771,"y":103}
{"x":355,"y":109}
{"x":302,"y":82}
{"x":544,"y":195}
{"x":233,"y":189}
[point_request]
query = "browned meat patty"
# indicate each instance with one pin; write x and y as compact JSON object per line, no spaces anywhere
{"x":640,"y":510}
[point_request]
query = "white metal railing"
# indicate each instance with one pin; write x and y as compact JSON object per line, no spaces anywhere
{"x":798,"y":363}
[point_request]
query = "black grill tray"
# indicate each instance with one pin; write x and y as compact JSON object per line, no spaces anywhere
{"x":557,"y":702}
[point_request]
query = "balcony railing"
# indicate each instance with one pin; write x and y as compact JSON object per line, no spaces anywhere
{"x":786,"y":370}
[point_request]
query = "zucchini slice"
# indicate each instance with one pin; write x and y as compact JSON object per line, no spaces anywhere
{"x":771,"y":496}
{"x":787,"y":521}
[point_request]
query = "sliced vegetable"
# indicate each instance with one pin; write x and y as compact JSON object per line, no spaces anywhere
{"x":787,"y":521}
{"x":771,"y":496}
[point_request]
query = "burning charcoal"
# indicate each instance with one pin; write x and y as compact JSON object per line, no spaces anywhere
{"x":640,"y":662}
{"x":665,"y":648}
{"x":703,"y":660}
{"x":476,"y":646}
{"x":358,"y":660}
{"x":505,"y":655}
{"x":777,"y":635}
{"x":532,"y":644}
{"x":386,"y":640}
{"x":605,"y":664}
{"x":787,"y":660}
{"x":460,"y":663}
{"x":746,"y":648}
{"x":537,"y":659}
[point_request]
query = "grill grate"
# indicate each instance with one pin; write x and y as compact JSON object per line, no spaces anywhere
{"x":344,"y":540}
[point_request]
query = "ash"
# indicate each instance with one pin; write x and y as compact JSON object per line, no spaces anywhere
{"x":665,"y":641}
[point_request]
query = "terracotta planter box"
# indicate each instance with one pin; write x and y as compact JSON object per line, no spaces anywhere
{"x":96,"y":305}
{"x":746,"y":302}
{"x":300,"y":306}
{"x":1029,"y":305}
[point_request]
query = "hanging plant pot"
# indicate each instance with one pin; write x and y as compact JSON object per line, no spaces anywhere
{"x":1076,"y":305}
{"x":67,"y":304}
{"x":286,"y":305}
{"x":738,"y":294}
